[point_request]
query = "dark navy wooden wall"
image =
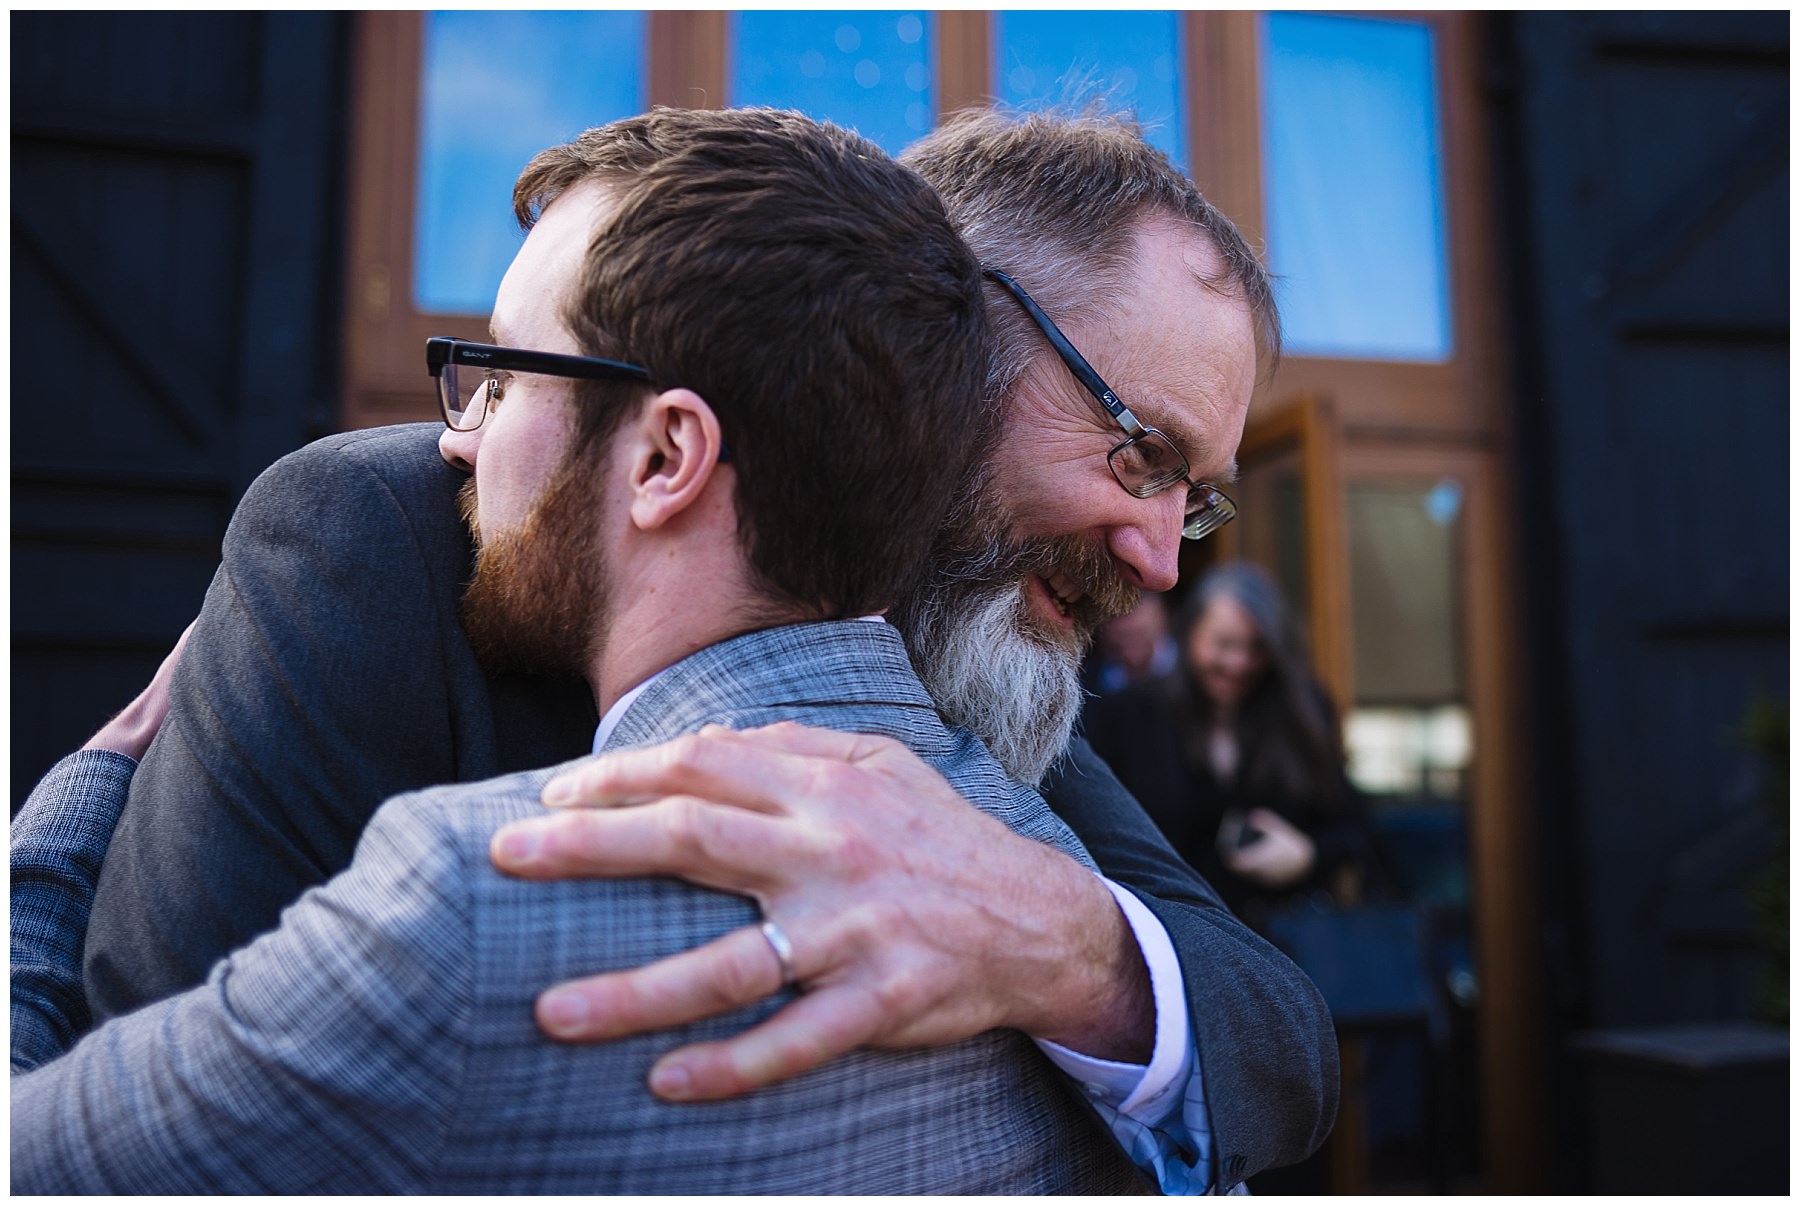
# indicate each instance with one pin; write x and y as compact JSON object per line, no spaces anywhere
{"x":176,"y":196}
{"x":1645,"y":200}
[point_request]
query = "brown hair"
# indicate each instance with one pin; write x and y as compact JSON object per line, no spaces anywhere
{"x":1055,"y":200}
{"x":815,"y":294}
{"x":1285,"y":722}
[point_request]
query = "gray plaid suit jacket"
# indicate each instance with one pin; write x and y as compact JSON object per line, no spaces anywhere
{"x":381,"y":1039}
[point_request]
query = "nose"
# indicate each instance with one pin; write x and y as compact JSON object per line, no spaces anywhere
{"x":1148,"y":549}
{"x":458,"y":448}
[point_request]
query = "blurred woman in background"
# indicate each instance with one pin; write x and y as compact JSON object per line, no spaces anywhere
{"x":1237,"y":756}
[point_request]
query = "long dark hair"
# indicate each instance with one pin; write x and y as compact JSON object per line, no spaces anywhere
{"x":1287,"y":732}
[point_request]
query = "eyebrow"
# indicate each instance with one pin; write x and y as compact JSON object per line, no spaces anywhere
{"x":1185,"y":440}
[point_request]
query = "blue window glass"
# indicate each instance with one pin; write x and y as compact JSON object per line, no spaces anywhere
{"x":1130,"y":60}
{"x":498,"y":87}
{"x":867,"y":71}
{"x":1353,"y":176}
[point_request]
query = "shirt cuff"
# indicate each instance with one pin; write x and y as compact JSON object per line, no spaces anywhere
{"x":1149,"y":1092}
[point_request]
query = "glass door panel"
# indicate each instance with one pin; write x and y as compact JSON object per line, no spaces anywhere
{"x":1408,"y":729}
{"x":1271,"y":524}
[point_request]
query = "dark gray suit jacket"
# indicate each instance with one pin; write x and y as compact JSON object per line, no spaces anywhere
{"x":380,"y":1040}
{"x":290,"y":723}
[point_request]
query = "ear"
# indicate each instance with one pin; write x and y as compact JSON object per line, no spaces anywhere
{"x":677,"y":452}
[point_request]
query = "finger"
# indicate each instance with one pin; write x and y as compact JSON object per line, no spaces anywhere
{"x":1268,"y":822}
{"x":727,"y":973}
{"x":715,"y":846}
{"x":811,"y":1030}
{"x":806,"y":741}
{"x":1254,"y":856}
{"x":750,"y":768}
{"x":707,"y":763}
{"x":1248,"y":860}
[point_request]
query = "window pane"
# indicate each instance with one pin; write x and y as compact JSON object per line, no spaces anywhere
{"x":1403,"y":564}
{"x":1130,"y":60}
{"x":1409,"y":733}
{"x":1354,"y":182}
{"x":497,"y":89}
{"x":1271,"y":525}
{"x":867,"y":71}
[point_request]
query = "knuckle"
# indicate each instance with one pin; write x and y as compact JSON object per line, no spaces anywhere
{"x":694,"y":755}
{"x":738,"y":980}
{"x":687,"y":826}
{"x":899,"y":999}
{"x":854,"y":854}
{"x":682,"y":752}
{"x":791,"y":1052}
{"x":877,"y":925}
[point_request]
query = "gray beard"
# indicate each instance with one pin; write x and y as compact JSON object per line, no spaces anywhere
{"x":992,"y":673}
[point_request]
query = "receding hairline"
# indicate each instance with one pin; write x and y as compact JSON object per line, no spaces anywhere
{"x":1216,"y":277}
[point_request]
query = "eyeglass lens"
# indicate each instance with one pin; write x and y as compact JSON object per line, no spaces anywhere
{"x":1148,"y":464}
{"x":463,"y":390}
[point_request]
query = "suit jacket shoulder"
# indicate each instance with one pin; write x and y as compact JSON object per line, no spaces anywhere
{"x":327,"y":672}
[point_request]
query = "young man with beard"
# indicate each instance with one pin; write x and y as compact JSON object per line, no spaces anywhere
{"x":899,"y":939}
{"x":709,"y":337}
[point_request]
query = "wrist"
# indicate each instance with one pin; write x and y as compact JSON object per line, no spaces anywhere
{"x":1102,"y":1005}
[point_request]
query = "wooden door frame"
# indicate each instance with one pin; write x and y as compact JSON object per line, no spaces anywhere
{"x":1501,"y":835}
{"x":1309,"y":425}
{"x":1419,"y":420}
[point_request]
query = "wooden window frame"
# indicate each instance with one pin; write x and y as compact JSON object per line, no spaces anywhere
{"x":686,"y":59}
{"x":1364,"y":419}
{"x":1462,"y":394}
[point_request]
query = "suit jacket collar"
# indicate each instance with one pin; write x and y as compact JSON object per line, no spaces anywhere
{"x":830,"y":663}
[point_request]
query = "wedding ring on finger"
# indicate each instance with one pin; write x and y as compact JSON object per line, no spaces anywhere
{"x":784,"y":950}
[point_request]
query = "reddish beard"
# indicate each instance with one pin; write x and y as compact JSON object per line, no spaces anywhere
{"x":538,"y":599}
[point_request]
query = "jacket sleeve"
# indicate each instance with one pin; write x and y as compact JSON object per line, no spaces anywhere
{"x":58,"y":843}
{"x":327,"y":1056}
{"x":1264,"y":1038}
{"x":321,"y":678}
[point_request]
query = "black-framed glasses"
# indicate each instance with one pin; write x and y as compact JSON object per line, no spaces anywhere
{"x":1146,"y":462}
{"x":467,"y":385}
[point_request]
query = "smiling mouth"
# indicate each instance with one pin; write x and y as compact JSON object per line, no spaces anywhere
{"x":1064,"y":593}
{"x":1067,"y":588}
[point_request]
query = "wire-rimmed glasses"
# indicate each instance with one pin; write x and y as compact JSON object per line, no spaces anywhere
{"x":1146,"y":462}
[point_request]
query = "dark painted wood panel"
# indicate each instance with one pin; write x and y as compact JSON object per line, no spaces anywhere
{"x":176,"y":225}
{"x":1648,"y":168}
